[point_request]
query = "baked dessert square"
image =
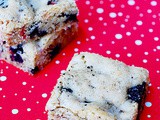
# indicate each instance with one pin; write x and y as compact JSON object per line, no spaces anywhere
{"x":28,"y":20}
{"x":94,"y":87}
{"x":35,"y":55}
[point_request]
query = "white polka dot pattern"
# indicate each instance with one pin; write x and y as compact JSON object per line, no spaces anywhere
{"x":126,"y":30}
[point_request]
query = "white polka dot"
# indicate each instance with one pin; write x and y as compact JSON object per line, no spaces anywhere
{"x":87,"y":2}
{"x":137,"y":7}
{"x":29,"y":91}
{"x":146,"y":53}
{"x":105,"y":24}
{"x":141,"y":14}
{"x":45,"y":75}
{"x":90,"y":14}
{"x":63,"y":71}
{"x":154,"y":50}
{"x":122,"y":6}
{"x":158,"y":88}
{"x":112,"y":14}
{"x":28,"y":109}
{"x":89,"y":49}
{"x":0,"y":89}
{"x":127,"y":16}
{"x":7,"y":67}
{"x":153,"y":3}
{"x":57,"y":62}
{"x":101,"y":2}
{"x":145,"y":61}
{"x":78,"y":42}
{"x":114,"y":22}
{"x":118,"y":36}
{"x":138,"y":42}
{"x":44,"y":95}
{"x":3,"y":78}
{"x":24,"y":99}
{"x":100,"y":44}
{"x":154,"y":16}
{"x":129,"y":55}
{"x":108,"y":52}
{"x":128,"y":33}
{"x":86,"y":20}
{"x":90,"y":28}
{"x":122,"y":26}
{"x":139,"y":22}
{"x":91,"y":7}
{"x":120,"y":14}
{"x":117,"y":55}
{"x":76,"y":49}
{"x":158,"y":47}
{"x":15,"y":94}
{"x":104,"y":32}
{"x":149,"y":116}
{"x":100,"y":18}
{"x":93,"y":37}
{"x":134,"y":28}
{"x":153,"y":23}
{"x":100,"y":10}
{"x":156,"y":38}
{"x":148,"y":104}
{"x":64,"y":54}
{"x":131,"y":2}
{"x":149,"y":11}
{"x":17,"y":72}
{"x":126,"y":20}
{"x":1,"y":71}
{"x":24,"y":83}
{"x":112,"y":5}
{"x":157,"y":59}
{"x":15,"y":111}
{"x":113,"y":42}
{"x":0,"y":108}
{"x":142,"y":35}
{"x":87,"y":39}
{"x":150,"y":30}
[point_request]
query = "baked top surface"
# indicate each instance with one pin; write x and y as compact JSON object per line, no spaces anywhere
{"x":99,"y":84}
{"x":18,"y":13}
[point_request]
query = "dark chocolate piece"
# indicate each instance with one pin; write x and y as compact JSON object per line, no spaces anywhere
{"x":16,"y":53}
{"x":35,"y":70}
{"x":51,"y":2}
{"x":3,"y":3}
{"x":34,"y":30}
{"x":67,"y":90}
{"x":17,"y":58}
{"x":135,"y":93}
{"x":55,"y":50}
{"x":69,"y":17}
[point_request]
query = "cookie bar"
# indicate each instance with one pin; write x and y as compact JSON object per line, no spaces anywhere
{"x":28,"y":20}
{"x":98,"y":88}
{"x":34,"y":55}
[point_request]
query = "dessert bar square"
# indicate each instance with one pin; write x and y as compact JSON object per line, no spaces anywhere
{"x":28,"y":20}
{"x":98,"y":88}
{"x":34,"y":55}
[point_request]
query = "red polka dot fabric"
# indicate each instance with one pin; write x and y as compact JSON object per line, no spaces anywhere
{"x":126,"y":30}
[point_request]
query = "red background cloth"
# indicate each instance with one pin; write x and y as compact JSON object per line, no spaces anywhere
{"x":125,"y":30}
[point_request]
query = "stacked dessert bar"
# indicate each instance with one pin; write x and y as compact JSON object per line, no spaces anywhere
{"x":32,"y":32}
{"x":98,"y":88}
